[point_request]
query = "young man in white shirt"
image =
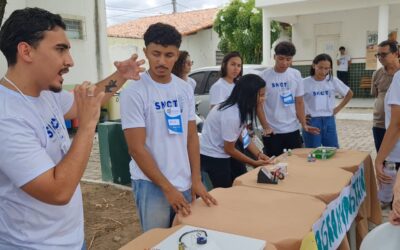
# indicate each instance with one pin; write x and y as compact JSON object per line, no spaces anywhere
{"x":284,"y":105}
{"x":343,"y":61}
{"x":158,"y":119}
{"x":40,"y":197}
{"x":389,"y":152}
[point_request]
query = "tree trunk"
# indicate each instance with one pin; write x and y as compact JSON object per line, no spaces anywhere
{"x":3,"y":4}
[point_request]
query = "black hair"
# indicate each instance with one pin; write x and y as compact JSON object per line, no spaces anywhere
{"x":342,"y":48}
{"x":26,"y":25}
{"x":317,"y":59}
{"x":285,"y":48}
{"x":392,"y":45}
{"x":245,"y":94}
{"x":224,"y":64}
{"x":162,"y":34}
{"x":180,"y":63}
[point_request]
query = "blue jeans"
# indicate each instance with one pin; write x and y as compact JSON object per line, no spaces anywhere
{"x":152,"y":207}
{"x":378,"y":134}
{"x":327,"y":136}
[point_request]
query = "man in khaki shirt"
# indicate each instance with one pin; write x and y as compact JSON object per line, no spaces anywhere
{"x":381,"y":80}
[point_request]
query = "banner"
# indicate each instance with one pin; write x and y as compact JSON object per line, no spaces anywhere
{"x":336,"y":220}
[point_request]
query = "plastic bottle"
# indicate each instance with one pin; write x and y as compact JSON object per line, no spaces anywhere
{"x":309,"y":158}
{"x":385,"y":193}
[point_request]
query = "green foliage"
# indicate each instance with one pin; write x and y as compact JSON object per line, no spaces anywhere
{"x":239,"y":27}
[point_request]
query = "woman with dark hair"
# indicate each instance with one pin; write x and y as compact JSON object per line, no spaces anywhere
{"x":319,"y":101}
{"x":182,"y":68}
{"x":231,"y":70}
{"x":225,"y":124}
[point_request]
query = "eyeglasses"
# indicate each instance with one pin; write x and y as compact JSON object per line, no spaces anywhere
{"x":189,"y":62}
{"x":382,"y":54}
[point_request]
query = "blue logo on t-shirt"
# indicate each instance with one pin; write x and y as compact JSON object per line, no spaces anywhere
{"x":163,"y":104}
{"x":279,"y":85}
{"x":318,"y":93}
{"x":54,"y":125}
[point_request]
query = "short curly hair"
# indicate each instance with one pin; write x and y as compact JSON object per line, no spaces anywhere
{"x":162,"y":34}
{"x":26,"y":25}
{"x":285,"y":48}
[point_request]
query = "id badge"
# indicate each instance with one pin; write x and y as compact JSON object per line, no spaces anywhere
{"x":287,"y":98}
{"x":173,"y":118}
{"x":245,"y":138}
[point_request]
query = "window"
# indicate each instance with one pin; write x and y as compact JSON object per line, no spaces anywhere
{"x":212,"y":78}
{"x":219,"y":56}
{"x":199,"y":77}
{"x":74,"y":28}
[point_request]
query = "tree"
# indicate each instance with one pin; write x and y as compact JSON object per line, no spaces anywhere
{"x":3,"y":4}
{"x":239,"y":27}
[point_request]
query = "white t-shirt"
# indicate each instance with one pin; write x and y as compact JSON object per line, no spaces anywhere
{"x":142,"y":106}
{"x":27,"y":150}
{"x":319,"y":96}
{"x":343,"y":62}
{"x":282,"y":87}
{"x":220,"y":126}
{"x":220,"y":91}
{"x":393,"y":98}
{"x":192,"y":82}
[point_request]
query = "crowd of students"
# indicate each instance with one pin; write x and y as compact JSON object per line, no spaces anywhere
{"x":40,"y":169}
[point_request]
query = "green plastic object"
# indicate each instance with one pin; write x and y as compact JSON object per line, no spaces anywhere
{"x":114,"y":156}
{"x":320,"y":154}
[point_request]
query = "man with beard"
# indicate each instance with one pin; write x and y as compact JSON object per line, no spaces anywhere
{"x":40,"y":170}
{"x":158,"y":119}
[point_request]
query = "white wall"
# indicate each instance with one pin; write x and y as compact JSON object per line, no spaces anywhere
{"x":83,"y":51}
{"x":201,"y":47}
{"x":353,"y":25}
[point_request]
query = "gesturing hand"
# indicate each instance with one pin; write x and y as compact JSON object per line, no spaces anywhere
{"x":130,"y":68}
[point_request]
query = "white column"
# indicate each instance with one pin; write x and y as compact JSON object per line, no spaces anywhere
{"x":266,"y":39}
{"x":383,"y":26}
{"x":383,"y":23}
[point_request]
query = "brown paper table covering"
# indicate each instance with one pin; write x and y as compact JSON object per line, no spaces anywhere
{"x":282,"y":219}
{"x":154,"y":236}
{"x":349,"y":160}
{"x":322,"y":183}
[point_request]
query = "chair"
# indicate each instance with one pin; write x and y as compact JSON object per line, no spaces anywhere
{"x":383,"y":237}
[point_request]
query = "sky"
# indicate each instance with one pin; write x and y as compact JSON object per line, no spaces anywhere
{"x":119,"y":11}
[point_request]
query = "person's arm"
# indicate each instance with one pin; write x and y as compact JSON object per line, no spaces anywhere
{"x":394,"y":216}
{"x":343,"y":103}
{"x":267,"y":130}
{"x":57,"y":185}
{"x":128,"y":69}
{"x":136,"y":139}
{"x":194,"y":159}
{"x":374,"y":90}
{"x":391,"y":137}
{"x":230,"y":149}
{"x":300,"y":113}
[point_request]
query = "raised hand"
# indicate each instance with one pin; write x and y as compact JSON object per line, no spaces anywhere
{"x":130,"y":68}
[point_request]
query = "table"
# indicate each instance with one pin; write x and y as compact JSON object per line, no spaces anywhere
{"x":152,"y":237}
{"x":350,"y":160}
{"x":282,"y":219}
{"x":322,"y":183}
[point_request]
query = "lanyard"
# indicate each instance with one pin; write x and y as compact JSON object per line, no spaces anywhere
{"x":61,"y":136}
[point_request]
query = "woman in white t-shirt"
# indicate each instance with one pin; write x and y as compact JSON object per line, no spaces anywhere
{"x":182,"y":68}
{"x":225,"y":124}
{"x":319,"y":102}
{"x":231,"y":70}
